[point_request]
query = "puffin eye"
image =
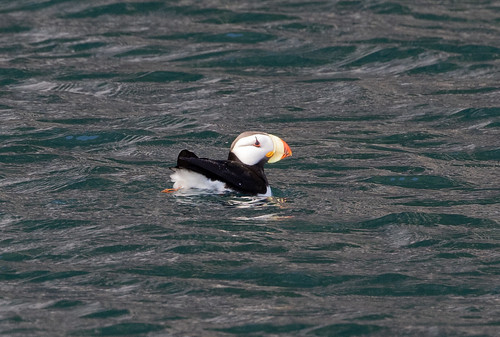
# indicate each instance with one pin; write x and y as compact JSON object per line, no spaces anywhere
{"x":257,"y":144}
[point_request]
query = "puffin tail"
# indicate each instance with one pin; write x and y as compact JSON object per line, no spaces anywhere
{"x":183,"y":154}
{"x":186,"y":154}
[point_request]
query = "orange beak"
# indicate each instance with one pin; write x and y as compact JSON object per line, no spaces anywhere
{"x":287,"y":151}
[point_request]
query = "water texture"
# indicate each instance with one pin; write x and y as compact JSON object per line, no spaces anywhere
{"x":383,"y":223}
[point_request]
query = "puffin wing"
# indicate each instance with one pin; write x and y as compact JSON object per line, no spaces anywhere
{"x":235,"y":175}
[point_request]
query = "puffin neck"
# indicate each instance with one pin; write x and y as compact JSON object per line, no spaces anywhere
{"x":233,"y":157}
{"x":257,"y":168}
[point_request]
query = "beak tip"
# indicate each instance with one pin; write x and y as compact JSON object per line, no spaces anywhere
{"x":287,"y":150}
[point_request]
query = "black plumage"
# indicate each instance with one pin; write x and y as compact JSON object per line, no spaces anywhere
{"x":248,"y":179}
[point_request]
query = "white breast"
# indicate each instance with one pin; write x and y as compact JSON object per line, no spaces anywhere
{"x":268,"y":193}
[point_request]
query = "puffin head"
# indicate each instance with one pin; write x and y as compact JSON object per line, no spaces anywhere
{"x":254,"y":147}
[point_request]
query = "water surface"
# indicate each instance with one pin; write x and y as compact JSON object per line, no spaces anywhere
{"x":384,"y":222}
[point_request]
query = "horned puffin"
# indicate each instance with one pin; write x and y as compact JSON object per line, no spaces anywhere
{"x":243,"y":171}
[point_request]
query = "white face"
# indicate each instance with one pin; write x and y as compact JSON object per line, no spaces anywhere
{"x":252,"y":147}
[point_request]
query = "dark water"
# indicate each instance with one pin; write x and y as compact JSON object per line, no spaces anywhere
{"x":384,"y":222}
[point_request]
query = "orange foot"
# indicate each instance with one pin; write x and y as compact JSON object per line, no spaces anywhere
{"x":171,"y":190}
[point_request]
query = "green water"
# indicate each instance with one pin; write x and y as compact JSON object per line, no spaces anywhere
{"x":383,"y":223}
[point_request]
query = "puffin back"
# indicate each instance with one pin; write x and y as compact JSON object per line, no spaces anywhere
{"x":236,"y":175}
